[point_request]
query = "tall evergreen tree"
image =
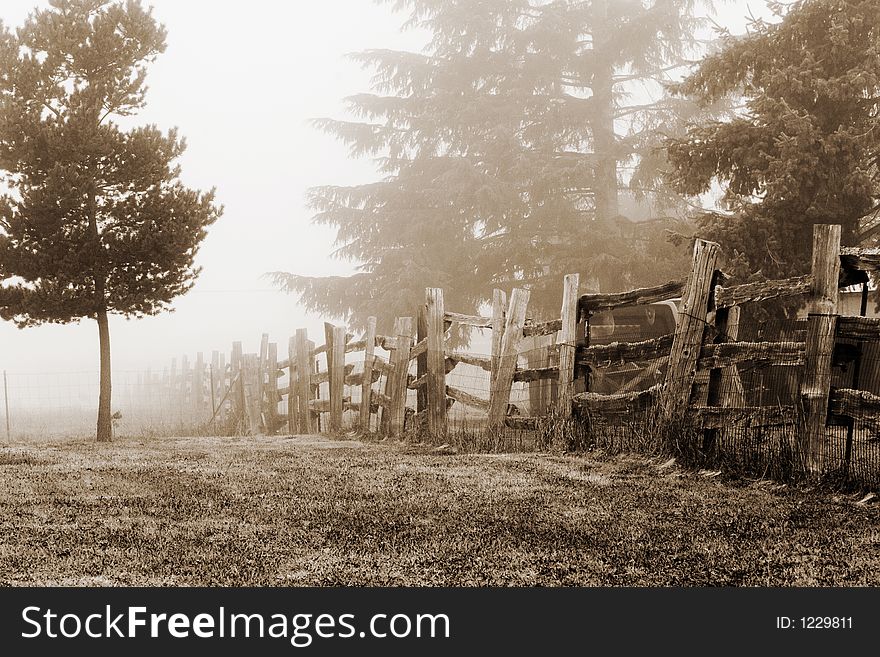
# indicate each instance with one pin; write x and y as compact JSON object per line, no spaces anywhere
{"x":95,"y":220}
{"x":805,"y":146}
{"x":504,"y":148}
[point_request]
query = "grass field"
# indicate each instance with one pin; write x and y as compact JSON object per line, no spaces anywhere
{"x":309,"y":511}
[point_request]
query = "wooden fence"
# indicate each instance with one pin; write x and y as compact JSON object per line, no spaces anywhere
{"x":333,"y":386}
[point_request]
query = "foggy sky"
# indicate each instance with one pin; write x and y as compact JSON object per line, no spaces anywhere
{"x":241,"y":80}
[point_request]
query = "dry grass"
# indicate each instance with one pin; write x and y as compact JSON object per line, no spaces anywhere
{"x":307,"y":511}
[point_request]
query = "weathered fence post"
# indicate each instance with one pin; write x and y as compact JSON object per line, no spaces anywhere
{"x":261,"y":375}
{"x":539,"y":392}
{"x":422,"y":359}
{"x":821,"y":330}
{"x":499,"y":392}
{"x":716,"y":374}
{"x":400,"y":375}
{"x":235,"y":380}
{"x":499,"y":300}
{"x":300,"y":391}
{"x":566,"y":343}
{"x":688,"y":337}
{"x":436,"y":383}
{"x":272,"y":388}
{"x":336,"y":363}
{"x":367,"y":383}
{"x":199,"y":384}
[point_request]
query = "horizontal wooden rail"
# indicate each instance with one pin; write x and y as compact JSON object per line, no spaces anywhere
{"x":858,"y":328}
{"x":760,"y":353}
{"x":860,"y":259}
{"x":484,"y":362}
{"x":420,"y":348}
{"x":619,"y":403}
{"x":854,"y":403}
{"x":536,"y":374}
{"x":736,"y":295}
{"x":618,"y":353}
{"x":591,"y":303}
{"x":468,"y":320}
{"x":467,"y":399}
{"x":717,"y":417}
{"x":544,"y":328}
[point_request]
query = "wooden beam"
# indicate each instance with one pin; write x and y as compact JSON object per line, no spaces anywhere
{"x":300,"y":384}
{"x":717,"y":356}
{"x":725,"y":297}
{"x":857,"y":404}
{"x":689,"y":332}
{"x":858,"y":328}
{"x":477,"y":360}
{"x":536,"y":374}
{"x":499,"y":396}
{"x":436,"y":362}
{"x":567,"y":335}
{"x":591,"y":303}
{"x":398,"y":377}
{"x":618,"y":403}
{"x":468,"y":320}
{"x":337,"y":378}
{"x":821,"y":332}
{"x":468,"y":399}
{"x":620,"y":353}
{"x":367,"y":382}
{"x":544,"y":328}
{"x":499,"y":301}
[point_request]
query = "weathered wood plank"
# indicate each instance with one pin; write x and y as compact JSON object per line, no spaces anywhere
{"x":854,"y":403}
{"x":324,"y":377}
{"x":358,"y":379}
{"x":566,"y":343}
{"x":725,"y":297}
{"x":858,"y":328}
{"x":484,"y":362}
{"x":419,"y":350}
{"x":618,"y":403}
{"x":299,"y":417}
{"x":357,"y":345}
{"x":467,"y":399}
{"x":544,"y":328}
{"x":435,"y":315}
{"x":500,"y":386}
{"x":369,"y":371}
{"x":722,"y":355}
{"x":398,"y":377}
{"x":689,"y":332}
{"x":862,"y":259}
{"x":337,"y":378}
{"x":821,"y":332}
{"x":591,"y":303}
{"x":620,"y":353}
{"x":468,"y":320}
{"x":536,"y":374}
{"x":325,"y":405}
{"x":499,"y":303}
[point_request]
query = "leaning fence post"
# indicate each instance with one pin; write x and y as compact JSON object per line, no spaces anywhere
{"x":272,"y":388}
{"x":566,"y":343}
{"x":436,"y":384}
{"x":821,"y":330}
{"x":367,"y":383}
{"x":499,"y":393}
{"x":400,"y":375}
{"x":688,"y":337}
{"x":300,"y":391}
{"x":499,"y":300}
{"x":336,"y":364}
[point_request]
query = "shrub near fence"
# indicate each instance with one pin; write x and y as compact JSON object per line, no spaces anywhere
{"x":785,"y":393}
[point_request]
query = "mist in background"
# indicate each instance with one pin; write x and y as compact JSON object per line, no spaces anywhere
{"x":241,"y":81}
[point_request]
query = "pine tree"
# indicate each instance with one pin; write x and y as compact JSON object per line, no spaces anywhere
{"x":504,"y":149}
{"x":805,"y":146}
{"x":95,"y":220}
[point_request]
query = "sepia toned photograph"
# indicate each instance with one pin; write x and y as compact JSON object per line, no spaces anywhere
{"x":438,"y":294}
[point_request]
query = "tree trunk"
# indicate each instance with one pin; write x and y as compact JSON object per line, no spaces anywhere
{"x":604,"y":136}
{"x":105,"y":423}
